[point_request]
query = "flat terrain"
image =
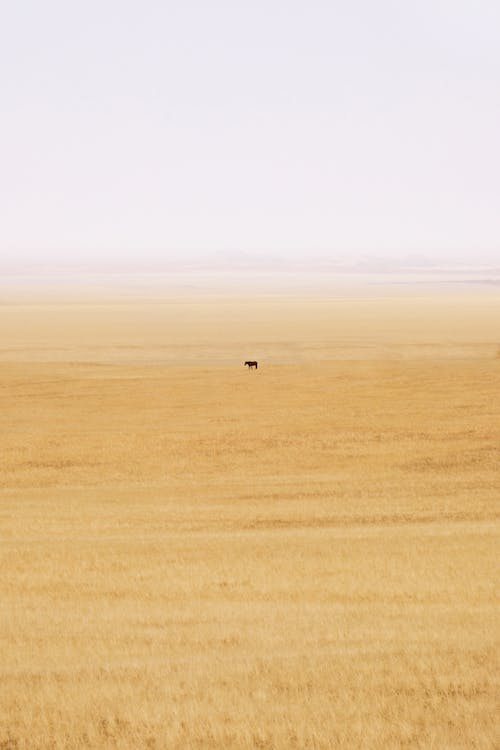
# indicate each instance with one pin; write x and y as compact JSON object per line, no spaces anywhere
{"x":198,"y":556}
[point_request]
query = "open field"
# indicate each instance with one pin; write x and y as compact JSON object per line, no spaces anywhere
{"x":198,"y":556}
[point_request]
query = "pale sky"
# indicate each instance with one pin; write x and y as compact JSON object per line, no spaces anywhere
{"x":156,"y":129}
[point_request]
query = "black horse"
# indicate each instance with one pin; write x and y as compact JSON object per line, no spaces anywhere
{"x":251,"y":363}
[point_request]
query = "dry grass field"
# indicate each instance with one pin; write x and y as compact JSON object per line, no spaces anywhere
{"x":198,"y":556}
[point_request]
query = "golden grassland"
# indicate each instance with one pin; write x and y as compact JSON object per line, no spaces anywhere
{"x":198,"y":556}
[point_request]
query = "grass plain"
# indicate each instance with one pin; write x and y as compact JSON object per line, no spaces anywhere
{"x":198,"y":556}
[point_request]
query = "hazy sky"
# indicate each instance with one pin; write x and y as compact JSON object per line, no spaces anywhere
{"x":145,"y":130}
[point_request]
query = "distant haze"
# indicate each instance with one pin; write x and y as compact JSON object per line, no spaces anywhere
{"x":343,"y":134}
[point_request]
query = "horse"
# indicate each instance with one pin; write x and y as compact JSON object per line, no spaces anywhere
{"x":250,"y":363}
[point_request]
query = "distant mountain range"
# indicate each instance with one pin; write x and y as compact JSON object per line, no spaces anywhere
{"x":255,"y":262}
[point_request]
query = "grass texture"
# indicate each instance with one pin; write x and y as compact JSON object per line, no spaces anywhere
{"x":199,"y":556}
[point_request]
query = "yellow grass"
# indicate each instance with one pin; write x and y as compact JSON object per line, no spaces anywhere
{"x":198,"y":556}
